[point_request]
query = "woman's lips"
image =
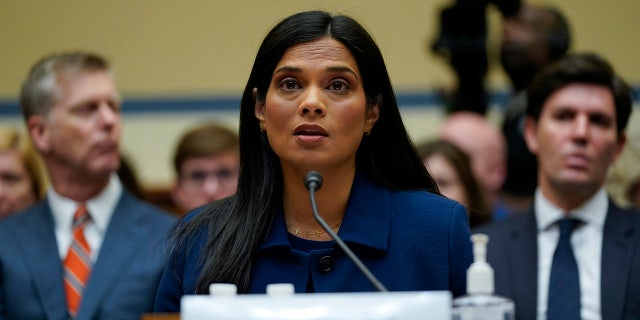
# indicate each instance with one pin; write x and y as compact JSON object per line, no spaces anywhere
{"x":310,"y":133}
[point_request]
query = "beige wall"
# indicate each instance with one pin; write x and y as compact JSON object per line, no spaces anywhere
{"x":170,"y":48}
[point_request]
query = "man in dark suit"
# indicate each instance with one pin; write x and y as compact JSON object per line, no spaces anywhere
{"x":90,"y":250}
{"x":577,"y":113}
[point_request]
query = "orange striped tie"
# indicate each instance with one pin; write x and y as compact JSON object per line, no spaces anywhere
{"x":77,"y":264}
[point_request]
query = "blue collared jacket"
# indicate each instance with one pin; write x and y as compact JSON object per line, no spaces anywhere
{"x":410,"y":240}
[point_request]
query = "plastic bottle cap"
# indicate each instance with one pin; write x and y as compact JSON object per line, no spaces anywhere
{"x":280,"y":289}
{"x":223,"y":289}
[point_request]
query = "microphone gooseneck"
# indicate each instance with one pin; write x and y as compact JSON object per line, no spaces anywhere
{"x":313,"y":182}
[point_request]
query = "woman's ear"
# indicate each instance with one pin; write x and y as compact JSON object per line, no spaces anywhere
{"x":259,"y":108}
{"x":373,"y":113}
{"x":259,"y":105}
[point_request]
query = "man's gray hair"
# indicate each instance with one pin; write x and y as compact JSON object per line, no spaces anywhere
{"x":40,"y":89}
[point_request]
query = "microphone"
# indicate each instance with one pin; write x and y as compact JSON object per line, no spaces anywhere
{"x":313,"y":182}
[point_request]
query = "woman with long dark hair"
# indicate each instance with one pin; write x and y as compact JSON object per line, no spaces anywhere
{"x":451,"y":168}
{"x":319,"y":98}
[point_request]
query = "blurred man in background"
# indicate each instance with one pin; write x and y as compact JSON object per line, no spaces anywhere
{"x":206,"y":162}
{"x":90,"y":250}
{"x":532,"y":39}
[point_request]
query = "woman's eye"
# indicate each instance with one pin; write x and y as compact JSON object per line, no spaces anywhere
{"x":288,"y":84}
{"x":339,"y":85}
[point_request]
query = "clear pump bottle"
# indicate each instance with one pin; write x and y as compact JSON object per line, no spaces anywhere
{"x":481,"y":303}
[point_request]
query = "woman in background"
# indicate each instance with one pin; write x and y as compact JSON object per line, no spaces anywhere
{"x":22,"y":178}
{"x":450,"y":167}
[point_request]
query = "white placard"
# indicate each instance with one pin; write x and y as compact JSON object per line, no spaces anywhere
{"x":434,"y":305}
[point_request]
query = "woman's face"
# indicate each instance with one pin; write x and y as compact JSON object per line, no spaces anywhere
{"x":447,"y":178}
{"x":16,"y":191}
{"x":315,"y":111}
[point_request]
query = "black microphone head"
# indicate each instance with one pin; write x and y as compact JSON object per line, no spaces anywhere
{"x":313,"y":179}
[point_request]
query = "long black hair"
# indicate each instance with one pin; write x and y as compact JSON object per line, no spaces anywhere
{"x":235,"y":227}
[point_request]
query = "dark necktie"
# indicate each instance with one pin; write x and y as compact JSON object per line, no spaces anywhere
{"x":564,"y":282}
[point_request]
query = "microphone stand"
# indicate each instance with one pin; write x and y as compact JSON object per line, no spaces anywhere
{"x":313,"y":182}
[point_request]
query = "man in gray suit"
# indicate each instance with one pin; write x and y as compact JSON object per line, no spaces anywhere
{"x":106,"y":265}
{"x":577,"y":113}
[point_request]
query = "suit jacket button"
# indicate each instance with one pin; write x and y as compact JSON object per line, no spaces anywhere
{"x":326,"y":264}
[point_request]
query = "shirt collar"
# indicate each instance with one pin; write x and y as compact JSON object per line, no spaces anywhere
{"x":100,"y":207}
{"x":593,"y":211}
{"x":366,"y":221}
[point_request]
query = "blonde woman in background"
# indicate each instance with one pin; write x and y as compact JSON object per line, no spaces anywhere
{"x":22,"y":178}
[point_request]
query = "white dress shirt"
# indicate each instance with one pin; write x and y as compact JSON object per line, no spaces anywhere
{"x":586,"y":241}
{"x":100,"y":209}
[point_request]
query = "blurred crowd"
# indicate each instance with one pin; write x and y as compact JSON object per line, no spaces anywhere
{"x":65,"y":177}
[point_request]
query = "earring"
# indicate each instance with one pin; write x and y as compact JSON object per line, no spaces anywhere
{"x":262,"y":127}
{"x":367,"y":133}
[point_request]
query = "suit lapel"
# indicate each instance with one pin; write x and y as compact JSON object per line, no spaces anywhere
{"x":41,"y":255}
{"x":523,"y":258}
{"x":616,"y":254}
{"x":121,"y":240}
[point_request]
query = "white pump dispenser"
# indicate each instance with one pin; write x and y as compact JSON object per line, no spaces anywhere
{"x":480,"y":303}
{"x":480,"y":274}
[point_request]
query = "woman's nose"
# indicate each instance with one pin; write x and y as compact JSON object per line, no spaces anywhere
{"x":312,"y":103}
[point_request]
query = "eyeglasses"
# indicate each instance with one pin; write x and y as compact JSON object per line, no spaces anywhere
{"x":198,"y":177}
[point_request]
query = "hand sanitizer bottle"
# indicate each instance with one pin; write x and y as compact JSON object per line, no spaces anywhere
{"x":480,"y":303}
